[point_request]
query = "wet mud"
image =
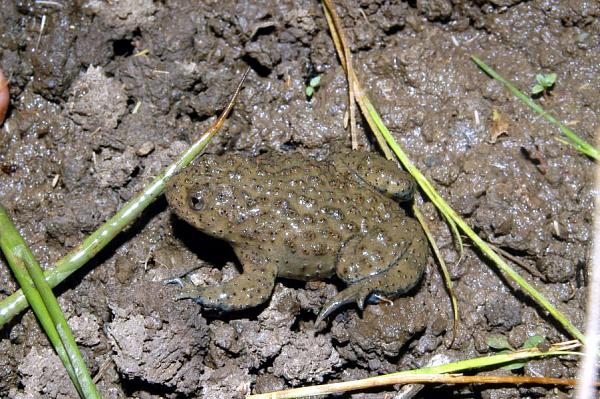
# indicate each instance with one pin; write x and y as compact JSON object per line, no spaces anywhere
{"x":108,"y":93}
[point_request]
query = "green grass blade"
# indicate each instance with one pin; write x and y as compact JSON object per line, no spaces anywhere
{"x":15,"y":303}
{"x":449,"y":213}
{"x":379,"y":128}
{"x":574,"y":140}
{"x":16,"y":252}
{"x":59,"y":320}
{"x":445,"y":272}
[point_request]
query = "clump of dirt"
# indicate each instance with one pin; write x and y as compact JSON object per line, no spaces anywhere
{"x":104,"y":96}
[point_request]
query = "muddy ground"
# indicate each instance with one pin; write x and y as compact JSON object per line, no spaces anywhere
{"x":109,"y":92}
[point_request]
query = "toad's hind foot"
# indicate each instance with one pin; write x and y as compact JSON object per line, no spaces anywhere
{"x":354,"y":293}
{"x":390,"y":283}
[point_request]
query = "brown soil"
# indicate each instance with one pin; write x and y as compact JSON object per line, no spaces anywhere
{"x":72,"y":151}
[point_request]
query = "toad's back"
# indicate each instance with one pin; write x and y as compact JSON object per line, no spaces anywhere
{"x":304,"y":217}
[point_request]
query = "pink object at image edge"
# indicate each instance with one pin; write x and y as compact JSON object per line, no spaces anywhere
{"x":4,"y":96}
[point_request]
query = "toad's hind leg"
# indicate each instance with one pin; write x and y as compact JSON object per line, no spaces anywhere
{"x":251,"y":288}
{"x":370,"y":269}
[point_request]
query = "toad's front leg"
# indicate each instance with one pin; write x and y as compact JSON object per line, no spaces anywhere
{"x":251,"y":288}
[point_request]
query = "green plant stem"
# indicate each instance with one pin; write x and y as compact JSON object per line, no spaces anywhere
{"x":379,"y":129}
{"x":30,"y":277}
{"x":574,"y":140}
{"x":443,"y":267}
{"x":443,"y":206}
{"x":15,"y":303}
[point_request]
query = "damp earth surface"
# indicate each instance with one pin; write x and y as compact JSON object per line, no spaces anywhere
{"x":105,"y":95}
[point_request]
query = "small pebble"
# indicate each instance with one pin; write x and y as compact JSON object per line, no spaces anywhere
{"x":145,"y":149}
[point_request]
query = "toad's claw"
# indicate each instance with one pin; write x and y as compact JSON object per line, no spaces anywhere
{"x":354,"y":293}
{"x":378,"y":298}
{"x":188,"y":291}
{"x":175,"y":280}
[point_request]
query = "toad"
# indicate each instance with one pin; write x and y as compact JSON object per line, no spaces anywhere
{"x":299,"y":218}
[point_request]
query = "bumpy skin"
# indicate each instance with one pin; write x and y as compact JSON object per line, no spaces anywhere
{"x":289,"y":216}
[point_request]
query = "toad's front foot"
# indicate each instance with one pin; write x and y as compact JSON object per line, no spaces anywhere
{"x":226,"y":297}
{"x":249,"y":289}
{"x":188,"y":291}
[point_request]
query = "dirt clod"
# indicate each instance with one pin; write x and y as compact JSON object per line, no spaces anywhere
{"x":108,"y":93}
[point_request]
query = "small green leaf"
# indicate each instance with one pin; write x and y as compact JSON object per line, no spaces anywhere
{"x":533,"y":341}
{"x":545,"y":81}
{"x":540,"y":79}
{"x":309,"y":91}
{"x":315,"y":82}
{"x":498,"y":342}
{"x":537,"y":89}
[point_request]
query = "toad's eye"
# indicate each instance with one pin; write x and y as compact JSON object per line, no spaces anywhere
{"x":196,"y":203}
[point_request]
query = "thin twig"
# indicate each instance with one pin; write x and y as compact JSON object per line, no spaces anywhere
{"x":439,"y":374}
{"x":415,"y":379}
{"x":344,"y":54}
{"x":337,"y":22}
{"x":531,"y":269}
{"x":446,"y":274}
